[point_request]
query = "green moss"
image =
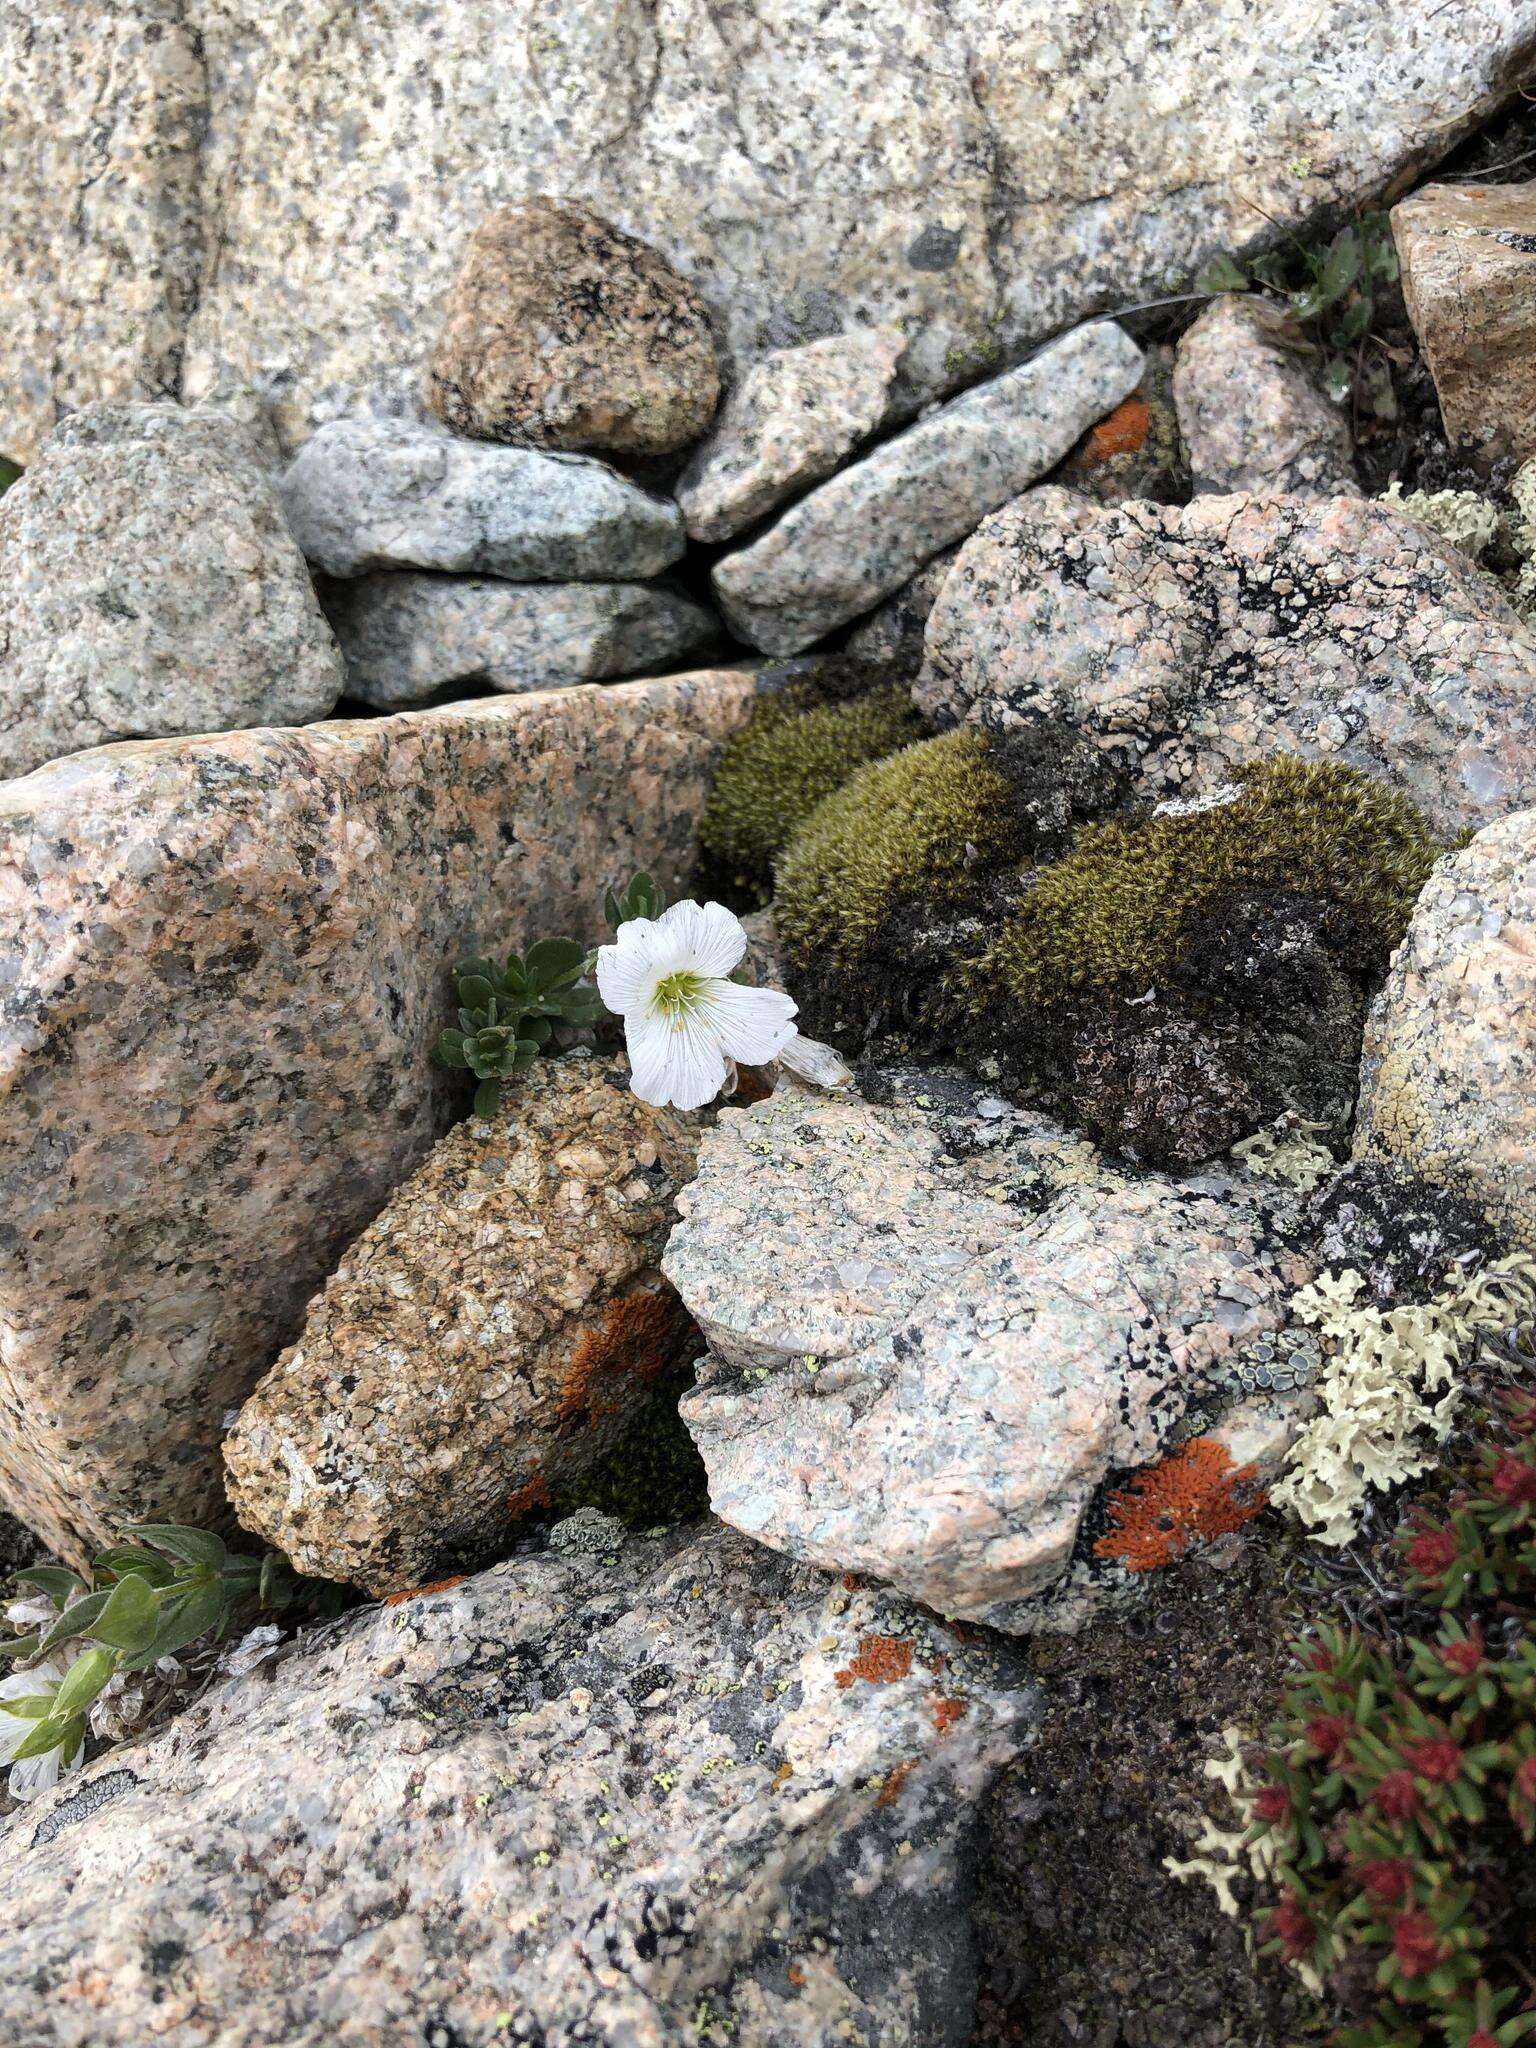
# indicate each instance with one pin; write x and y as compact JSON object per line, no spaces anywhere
{"x":793,"y":751}
{"x":916,"y":831}
{"x":655,"y":1476}
{"x":1118,"y":914}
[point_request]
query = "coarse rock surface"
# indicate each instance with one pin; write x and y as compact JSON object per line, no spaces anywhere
{"x":892,"y":635}
{"x":227,"y":962}
{"x":572,"y":1800}
{"x":1188,"y":640}
{"x":1448,"y":1085}
{"x":149,"y":586}
{"x":1252,"y":417}
{"x":406,"y":635}
{"x":1137,"y":450}
{"x":936,"y":1326}
{"x":495,"y":1325}
{"x":564,"y":332}
{"x":391,"y":494}
{"x":789,"y":422}
{"x":198,"y":186}
{"x":867,"y":531}
{"x":1468,"y":258}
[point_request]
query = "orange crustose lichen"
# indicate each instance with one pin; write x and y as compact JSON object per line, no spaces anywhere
{"x":1122,"y":433}
{"x":946,"y":1713}
{"x":415,"y":1592}
{"x":636,"y":1341}
{"x":1191,"y":1497}
{"x":896,"y":1777}
{"x":879,"y":1660}
{"x":526,"y":1499}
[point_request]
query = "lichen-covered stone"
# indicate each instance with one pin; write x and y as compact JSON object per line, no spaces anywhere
{"x":227,"y":962}
{"x":1468,"y":257}
{"x":486,"y":1338}
{"x":1448,"y":1085}
{"x":865,"y":532}
{"x":1189,"y":640}
{"x":935,"y":1327}
{"x":789,"y":422}
{"x":286,"y":193}
{"x":391,"y":494}
{"x":564,"y":332}
{"x":148,"y":586}
{"x":1251,"y":415}
{"x":405,"y":635}
{"x":572,"y":1800}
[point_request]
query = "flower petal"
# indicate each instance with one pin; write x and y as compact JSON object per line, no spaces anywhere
{"x":708,"y":934}
{"x":752,"y":1024}
{"x":679,"y":1064}
{"x":34,"y":1774}
{"x":625,"y":968}
{"x":815,"y":1062}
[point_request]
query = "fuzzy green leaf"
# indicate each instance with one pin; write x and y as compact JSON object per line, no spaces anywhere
{"x":52,"y":1580}
{"x":188,"y":1546}
{"x":1222,"y":274}
{"x":83,"y":1681}
{"x":131,"y":1615}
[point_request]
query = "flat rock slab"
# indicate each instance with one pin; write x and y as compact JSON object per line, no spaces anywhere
{"x":286,"y":197}
{"x":1189,"y":640}
{"x":489,"y":1334}
{"x":935,"y":1327}
{"x":1448,"y":1084}
{"x":390,"y":494}
{"x":573,"y":1800}
{"x":405,"y":636}
{"x":1468,"y":258}
{"x":226,"y":965}
{"x":789,"y":422}
{"x":148,"y":586}
{"x":1251,"y":415}
{"x":869,"y":529}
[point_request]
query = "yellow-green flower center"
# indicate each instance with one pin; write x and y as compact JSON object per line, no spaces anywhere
{"x":679,"y":996}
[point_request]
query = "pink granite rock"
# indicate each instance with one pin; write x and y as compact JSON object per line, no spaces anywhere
{"x":225,"y":965}
{"x":1252,"y":416}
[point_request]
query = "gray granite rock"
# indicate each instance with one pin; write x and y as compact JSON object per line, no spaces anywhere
{"x":289,"y":193}
{"x":405,"y":636}
{"x":391,"y":494}
{"x":483,"y":1342}
{"x":789,"y":423}
{"x":226,"y":965}
{"x":893,"y":632}
{"x":686,"y":1792}
{"x":1252,"y":416}
{"x":564,"y":332}
{"x":1448,"y":1084}
{"x":937,"y":1326}
{"x":864,"y":533}
{"x":1468,"y":258}
{"x":148,"y":586}
{"x":1188,"y":640}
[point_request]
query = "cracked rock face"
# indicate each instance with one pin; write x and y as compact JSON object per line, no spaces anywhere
{"x":789,"y":422}
{"x":1448,"y":1085}
{"x":936,"y":1327}
{"x":1251,"y":416}
{"x":572,"y":1800}
{"x":491,"y":1330}
{"x":288,"y":198}
{"x":406,"y":636}
{"x":1189,"y":640}
{"x":388,"y":494}
{"x":228,"y":963}
{"x":1468,"y":257}
{"x":148,"y":587}
{"x":867,"y":531}
{"x":563,"y":332}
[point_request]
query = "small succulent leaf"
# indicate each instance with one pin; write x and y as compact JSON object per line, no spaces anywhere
{"x":553,"y":960}
{"x":535,"y":1028}
{"x":487,"y":1097}
{"x":475,"y":990}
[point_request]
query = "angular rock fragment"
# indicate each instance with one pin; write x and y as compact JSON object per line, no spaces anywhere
{"x":867,"y":531}
{"x":1448,"y":1084}
{"x":573,"y":1800}
{"x":149,"y":587}
{"x":485,"y":1338}
{"x":937,"y":1326}
{"x":1251,"y":416}
{"x":1468,"y":256}
{"x":1187,"y":640}
{"x":406,"y":636}
{"x":228,"y":963}
{"x":789,"y":423}
{"x":563,"y":332}
{"x":390,"y":494}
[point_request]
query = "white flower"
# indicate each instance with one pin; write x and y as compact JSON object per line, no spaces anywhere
{"x":684,"y":1018}
{"x":33,"y":1774}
